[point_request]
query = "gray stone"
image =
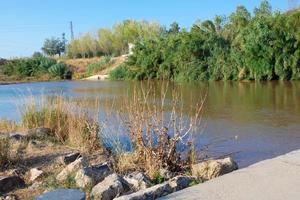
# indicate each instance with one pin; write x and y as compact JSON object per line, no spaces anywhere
{"x":35,"y":174}
{"x":67,"y":159}
{"x":138,"y":181}
{"x":9,"y":183}
{"x":17,"y":137}
{"x":40,"y":132}
{"x":62,"y":194}
{"x":213,"y":168}
{"x":71,"y":169}
{"x":166,"y":173}
{"x":112,"y":186}
{"x":168,"y":187}
{"x":89,"y":176}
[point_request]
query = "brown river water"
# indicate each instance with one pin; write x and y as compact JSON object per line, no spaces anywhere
{"x":251,"y":121}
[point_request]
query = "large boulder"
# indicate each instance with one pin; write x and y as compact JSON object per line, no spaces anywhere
{"x":71,"y":169}
{"x":112,"y":186}
{"x":9,"y":183}
{"x":88,"y":176}
{"x":213,"y":168}
{"x":67,"y":159}
{"x":154,"y":192}
{"x":63,"y":194}
{"x":138,"y":181}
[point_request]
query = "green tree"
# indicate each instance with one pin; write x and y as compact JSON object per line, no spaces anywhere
{"x":54,"y":46}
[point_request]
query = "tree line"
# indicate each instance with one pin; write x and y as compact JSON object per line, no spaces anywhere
{"x":264,"y":45}
{"x":112,"y":41}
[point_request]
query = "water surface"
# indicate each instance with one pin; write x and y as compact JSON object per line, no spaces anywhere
{"x":251,"y":121}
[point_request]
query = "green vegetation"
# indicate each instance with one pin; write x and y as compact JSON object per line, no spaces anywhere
{"x":54,"y":46}
{"x":265,"y":46}
{"x":113,"y":41}
{"x":36,"y":67}
{"x":98,"y":66}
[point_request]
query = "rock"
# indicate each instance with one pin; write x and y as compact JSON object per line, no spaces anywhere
{"x":173,"y":185}
{"x":166,"y":173}
{"x":112,"y":186}
{"x":213,"y":168}
{"x":35,"y":174}
{"x":17,"y":137}
{"x":35,"y":185}
{"x":67,"y":159}
{"x":63,"y":194}
{"x":9,"y":197}
{"x":89,"y":176}
{"x":70,"y":169}
{"x":138,"y":181}
{"x":181,"y":182}
{"x":9,"y":183}
{"x":40,"y":132}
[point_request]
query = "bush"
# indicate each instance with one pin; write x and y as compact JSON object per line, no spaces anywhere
{"x":59,"y":70}
{"x":96,"y":67}
{"x":119,"y":73}
{"x":156,"y":133}
{"x":36,"y":67}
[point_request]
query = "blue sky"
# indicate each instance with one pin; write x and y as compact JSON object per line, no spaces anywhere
{"x":24,"y":24}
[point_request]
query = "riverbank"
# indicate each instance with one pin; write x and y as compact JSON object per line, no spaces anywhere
{"x":277,"y":178}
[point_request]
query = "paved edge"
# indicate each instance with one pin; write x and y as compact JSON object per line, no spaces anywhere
{"x":276,"y":178}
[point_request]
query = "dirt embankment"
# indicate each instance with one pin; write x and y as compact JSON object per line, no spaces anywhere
{"x":79,"y":66}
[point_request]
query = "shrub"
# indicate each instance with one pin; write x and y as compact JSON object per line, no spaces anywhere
{"x":96,"y":67}
{"x":156,"y":133}
{"x":119,"y":73}
{"x":59,"y":70}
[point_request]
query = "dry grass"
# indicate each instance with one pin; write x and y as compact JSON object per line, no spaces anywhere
{"x":156,"y":129}
{"x":70,"y":122}
{"x":7,"y":126}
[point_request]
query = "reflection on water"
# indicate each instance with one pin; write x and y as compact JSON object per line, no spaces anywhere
{"x":251,"y":121}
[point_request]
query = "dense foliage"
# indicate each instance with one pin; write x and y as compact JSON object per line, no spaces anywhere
{"x":36,"y":66}
{"x":112,"y":41}
{"x":262,"y":46}
{"x":54,"y":46}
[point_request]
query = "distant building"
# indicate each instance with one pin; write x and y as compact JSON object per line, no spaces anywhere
{"x":130,"y":48}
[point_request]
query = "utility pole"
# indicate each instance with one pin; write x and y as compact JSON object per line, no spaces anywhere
{"x":71,"y":29}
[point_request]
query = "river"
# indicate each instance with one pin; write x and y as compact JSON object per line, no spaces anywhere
{"x":251,"y":121}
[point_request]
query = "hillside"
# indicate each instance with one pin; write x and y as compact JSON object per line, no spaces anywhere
{"x":79,"y":66}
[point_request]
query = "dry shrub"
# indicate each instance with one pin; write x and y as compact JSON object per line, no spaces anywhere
{"x":157,"y":128}
{"x":70,"y":121}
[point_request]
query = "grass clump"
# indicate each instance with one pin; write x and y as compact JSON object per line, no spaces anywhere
{"x":70,"y":123}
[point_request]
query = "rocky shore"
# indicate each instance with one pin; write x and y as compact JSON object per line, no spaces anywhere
{"x":49,"y":170}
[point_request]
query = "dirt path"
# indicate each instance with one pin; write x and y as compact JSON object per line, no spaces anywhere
{"x":102,"y":75}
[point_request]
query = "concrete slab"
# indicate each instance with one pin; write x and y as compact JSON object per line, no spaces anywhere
{"x":276,"y":179}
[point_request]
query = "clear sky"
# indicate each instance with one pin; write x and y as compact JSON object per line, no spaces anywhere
{"x":24,"y":24}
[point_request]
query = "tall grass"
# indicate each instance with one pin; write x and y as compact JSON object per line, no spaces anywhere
{"x":70,"y":122}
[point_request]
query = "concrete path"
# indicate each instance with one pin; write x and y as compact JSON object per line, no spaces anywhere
{"x":274,"y":179}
